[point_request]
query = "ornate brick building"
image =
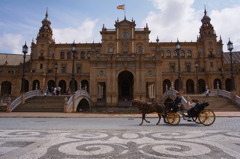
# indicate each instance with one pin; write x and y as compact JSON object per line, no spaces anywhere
{"x":124,"y":66}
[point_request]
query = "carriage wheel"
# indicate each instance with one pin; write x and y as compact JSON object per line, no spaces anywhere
{"x":207,"y":117}
{"x":196,"y":119}
{"x":173,"y":118}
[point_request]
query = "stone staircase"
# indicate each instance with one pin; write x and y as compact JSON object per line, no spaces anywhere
{"x":42,"y":104}
{"x":217,"y":103}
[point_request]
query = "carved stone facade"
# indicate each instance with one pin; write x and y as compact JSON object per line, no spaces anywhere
{"x":124,"y":66}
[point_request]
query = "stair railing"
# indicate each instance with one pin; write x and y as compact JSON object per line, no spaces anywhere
{"x":227,"y":94}
{"x":15,"y":103}
{"x":69,"y":103}
{"x":19,"y":99}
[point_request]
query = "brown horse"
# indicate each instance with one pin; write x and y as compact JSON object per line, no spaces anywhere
{"x":146,"y":108}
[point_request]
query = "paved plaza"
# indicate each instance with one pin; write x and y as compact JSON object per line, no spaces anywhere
{"x":121,"y":138}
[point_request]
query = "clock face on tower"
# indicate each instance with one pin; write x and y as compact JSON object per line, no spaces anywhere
{"x":46,"y":27}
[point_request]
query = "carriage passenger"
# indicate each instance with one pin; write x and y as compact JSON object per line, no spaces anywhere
{"x":189,"y":108}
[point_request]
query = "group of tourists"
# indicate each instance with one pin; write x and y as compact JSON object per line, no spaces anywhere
{"x":51,"y":91}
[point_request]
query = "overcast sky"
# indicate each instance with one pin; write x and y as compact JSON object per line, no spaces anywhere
{"x":81,"y":20}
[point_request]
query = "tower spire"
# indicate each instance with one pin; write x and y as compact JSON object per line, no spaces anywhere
{"x":46,"y":15}
{"x":205,"y":11}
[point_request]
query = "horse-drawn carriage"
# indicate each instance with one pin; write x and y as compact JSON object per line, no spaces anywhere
{"x":171,"y":114}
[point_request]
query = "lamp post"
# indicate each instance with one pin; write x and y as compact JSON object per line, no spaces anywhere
{"x":73,"y":57}
{"x":196,"y":66}
{"x":24,"y":50}
{"x":55,"y":67}
{"x":230,"y":48}
{"x":178,"y":48}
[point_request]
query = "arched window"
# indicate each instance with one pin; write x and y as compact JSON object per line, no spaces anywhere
{"x":62,"y":55}
{"x":175,"y":54}
{"x":88,"y":54}
{"x":189,"y":53}
{"x":168,"y":54}
{"x":76,"y":55}
{"x":125,"y":35}
{"x":83,"y":55}
{"x":182,"y":54}
{"x":69,"y":55}
{"x":162,"y":53}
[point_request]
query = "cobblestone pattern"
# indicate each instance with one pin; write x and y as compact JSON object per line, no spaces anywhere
{"x":109,"y":144}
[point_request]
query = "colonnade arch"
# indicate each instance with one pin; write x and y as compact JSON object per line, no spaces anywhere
{"x":125,"y":85}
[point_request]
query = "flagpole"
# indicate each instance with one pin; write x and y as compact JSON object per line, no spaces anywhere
{"x":124,"y":11}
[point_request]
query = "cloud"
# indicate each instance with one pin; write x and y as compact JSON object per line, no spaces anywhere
{"x":83,"y":33}
{"x":175,"y":19}
{"x":12,"y":42}
{"x":226,"y":23}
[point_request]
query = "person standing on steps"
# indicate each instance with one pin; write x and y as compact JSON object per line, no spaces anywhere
{"x":207,"y":92}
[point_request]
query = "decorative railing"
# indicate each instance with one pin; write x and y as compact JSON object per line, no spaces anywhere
{"x":238,"y":100}
{"x":15,"y":103}
{"x":18,"y":100}
{"x":69,"y":103}
{"x":225,"y":93}
{"x":31,"y":94}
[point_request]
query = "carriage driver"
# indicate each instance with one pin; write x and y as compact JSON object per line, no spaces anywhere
{"x":176,"y":102}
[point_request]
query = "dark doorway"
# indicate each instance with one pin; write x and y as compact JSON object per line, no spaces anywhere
{"x":35,"y":85}
{"x":62,"y":85}
{"x":166,"y":85}
{"x":85,"y":85}
{"x":75,"y":85}
{"x":6,"y":87}
{"x":190,"y":86}
{"x":125,"y":85}
{"x":51,"y":85}
{"x":202,"y":86}
{"x":26,"y":85}
{"x":217,"y":83}
{"x":228,"y":84}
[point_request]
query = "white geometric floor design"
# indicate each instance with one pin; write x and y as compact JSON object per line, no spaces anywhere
{"x":132,"y":144}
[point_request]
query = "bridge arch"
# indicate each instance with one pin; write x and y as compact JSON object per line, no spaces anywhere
{"x":81,"y":101}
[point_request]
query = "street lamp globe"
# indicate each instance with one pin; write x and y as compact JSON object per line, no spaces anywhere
{"x":178,"y":45}
{"x":74,"y":47}
{"x":230,"y":45}
{"x":25,"y":48}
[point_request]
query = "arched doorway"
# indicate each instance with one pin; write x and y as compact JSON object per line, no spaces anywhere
{"x":217,"y":82}
{"x":51,"y":85}
{"x":190,"y":86}
{"x":83,"y":106}
{"x":6,"y":88}
{"x":125,"y":85}
{"x":84,"y":84}
{"x":166,"y":85}
{"x":75,"y":85}
{"x":176,"y":85}
{"x":36,"y":84}
{"x":26,"y":85}
{"x":202,"y":86}
{"x":228,"y":84}
{"x":62,"y":85}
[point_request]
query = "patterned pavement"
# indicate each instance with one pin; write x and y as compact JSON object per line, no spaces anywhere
{"x":111,"y":144}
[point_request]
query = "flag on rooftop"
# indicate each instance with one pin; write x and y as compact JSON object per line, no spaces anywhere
{"x":121,"y":7}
